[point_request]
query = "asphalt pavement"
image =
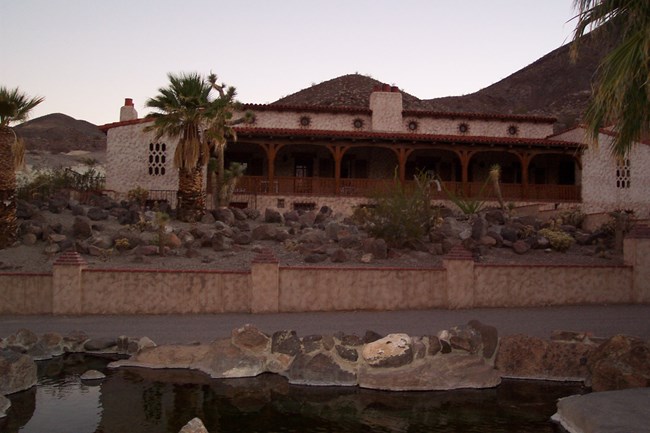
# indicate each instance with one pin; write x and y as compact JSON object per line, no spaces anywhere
{"x":601,"y":321}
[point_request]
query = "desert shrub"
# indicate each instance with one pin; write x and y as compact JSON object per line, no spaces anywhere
{"x":573,"y":216}
{"x":400,"y":214}
{"x":47,"y":182}
{"x":560,"y":241}
{"x":122,"y":244}
{"x":138,"y":195}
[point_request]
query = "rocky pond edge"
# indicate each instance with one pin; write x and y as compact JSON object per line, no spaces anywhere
{"x":465,"y":356}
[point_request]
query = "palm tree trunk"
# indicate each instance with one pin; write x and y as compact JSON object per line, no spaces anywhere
{"x":191,"y":195}
{"x":8,"y":224}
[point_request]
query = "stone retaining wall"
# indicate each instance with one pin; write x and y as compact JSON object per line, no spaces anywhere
{"x":72,"y":288}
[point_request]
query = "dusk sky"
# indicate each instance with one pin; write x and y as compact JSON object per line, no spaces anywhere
{"x":86,"y":56}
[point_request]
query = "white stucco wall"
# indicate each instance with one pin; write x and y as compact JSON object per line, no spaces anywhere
{"x":599,"y":189}
{"x":387,"y":116}
{"x":127,"y":160}
{"x":478,"y":127}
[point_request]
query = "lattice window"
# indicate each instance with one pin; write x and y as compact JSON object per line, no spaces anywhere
{"x":623,"y":176}
{"x":157,"y":159}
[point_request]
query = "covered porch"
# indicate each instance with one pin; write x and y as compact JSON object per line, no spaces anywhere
{"x":363,"y":165}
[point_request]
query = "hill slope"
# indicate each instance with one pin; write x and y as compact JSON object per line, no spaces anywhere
{"x":60,"y":133}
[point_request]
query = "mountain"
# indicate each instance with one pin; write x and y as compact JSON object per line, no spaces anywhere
{"x":60,"y":133}
{"x":554,"y":85}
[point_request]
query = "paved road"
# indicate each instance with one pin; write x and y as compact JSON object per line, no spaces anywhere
{"x":602,"y":321}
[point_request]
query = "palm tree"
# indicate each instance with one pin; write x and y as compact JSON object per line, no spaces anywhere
{"x":621,"y":95}
{"x":15,"y":106}
{"x":203,"y":124}
{"x":183,"y":108}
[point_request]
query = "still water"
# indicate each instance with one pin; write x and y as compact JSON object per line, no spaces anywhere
{"x":148,"y":401}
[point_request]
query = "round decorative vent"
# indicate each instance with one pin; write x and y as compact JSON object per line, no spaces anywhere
{"x":513,"y":130}
{"x":305,"y":121}
{"x":413,"y":125}
{"x":463,"y":128}
{"x":357,"y":123}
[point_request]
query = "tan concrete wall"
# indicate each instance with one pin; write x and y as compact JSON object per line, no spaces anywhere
{"x":25,"y":293}
{"x":532,"y":286}
{"x":334,"y":289}
{"x":164,"y":292}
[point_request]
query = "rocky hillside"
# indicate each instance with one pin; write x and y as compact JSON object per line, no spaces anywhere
{"x":60,"y":133}
{"x":554,"y":85}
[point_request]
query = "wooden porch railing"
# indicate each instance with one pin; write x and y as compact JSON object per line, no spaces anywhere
{"x":326,"y":186}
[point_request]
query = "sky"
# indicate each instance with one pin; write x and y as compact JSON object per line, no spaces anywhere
{"x":86,"y":56}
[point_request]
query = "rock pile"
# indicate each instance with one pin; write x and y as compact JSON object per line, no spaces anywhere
{"x":461,"y":357}
{"x":107,"y":227}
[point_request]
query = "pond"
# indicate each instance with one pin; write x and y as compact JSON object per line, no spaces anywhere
{"x":162,"y":401}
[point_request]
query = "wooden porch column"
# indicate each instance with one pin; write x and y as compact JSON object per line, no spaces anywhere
{"x":465,"y":156}
{"x":337,"y":152}
{"x":524,"y":158}
{"x":403,"y":154}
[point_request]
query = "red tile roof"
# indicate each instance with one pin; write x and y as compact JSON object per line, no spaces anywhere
{"x":402,"y":136}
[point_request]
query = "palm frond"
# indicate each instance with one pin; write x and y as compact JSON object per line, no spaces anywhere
{"x":15,"y":105}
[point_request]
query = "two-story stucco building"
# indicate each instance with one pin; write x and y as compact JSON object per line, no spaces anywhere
{"x":314,"y":155}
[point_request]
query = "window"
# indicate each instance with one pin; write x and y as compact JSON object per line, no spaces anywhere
{"x":623,"y":177}
{"x":157,"y":159}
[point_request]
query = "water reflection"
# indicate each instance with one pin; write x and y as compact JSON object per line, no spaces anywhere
{"x":157,"y":401}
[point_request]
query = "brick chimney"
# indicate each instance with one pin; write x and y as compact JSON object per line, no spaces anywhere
{"x":127,"y":112}
{"x":386,"y":106}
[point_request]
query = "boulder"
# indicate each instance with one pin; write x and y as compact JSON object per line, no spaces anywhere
{"x":98,"y":344}
{"x":82,"y":228}
{"x":495,"y":216}
{"x":315,"y":258}
{"x":323,"y":215}
{"x":307,"y":219}
{"x":195,"y":425}
{"x":350,"y":241}
{"x":442,"y":372}
{"x":286,"y":342}
{"x":527,"y":357}
{"x":97,"y":214}
{"x":239,"y":214}
{"x":92,"y":376}
{"x":208,"y":218}
{"x":520,"y":247}
{"x":510,"y":233}
{"x":489,"y":337}
{"x":5,"y":404}
{"x":264,"y":232}
{"x":339,"y":255}
{"x":321,"y":370}
{"x":248,"y":337}
{"x":394,"y":350}
{"x":347,"y":353}
{"x":272,"y":216}
{"x":243,"y":238}
{"x":57,"y":205}
{"x":225,"y":215}
{"x":620,"y":362}
{"x":220,"y":242}
{"x":479,"y":227}
{"x":17,"y":372}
